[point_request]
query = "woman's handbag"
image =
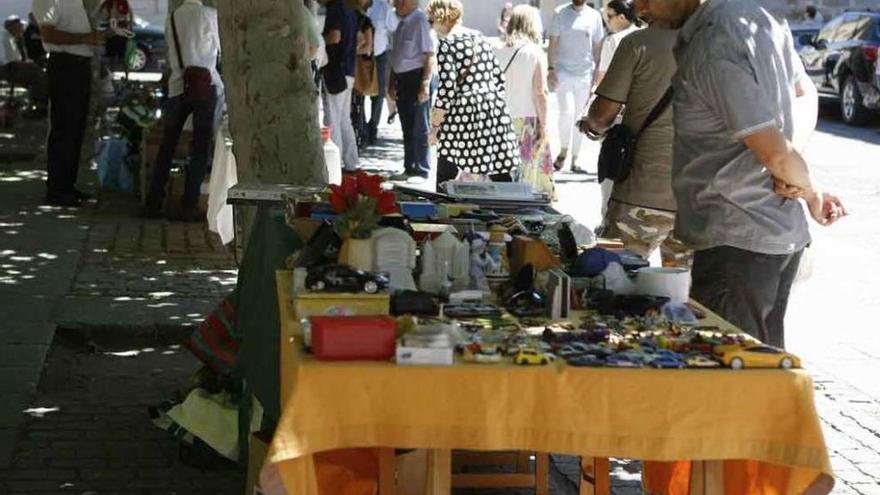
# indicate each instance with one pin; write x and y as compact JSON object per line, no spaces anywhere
{"x":366,"y":80}
{"x":619,"y":146}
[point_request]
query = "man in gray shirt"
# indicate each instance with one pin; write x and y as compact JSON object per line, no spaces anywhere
{"x":412,"y":66}
{"x":735,"y":175}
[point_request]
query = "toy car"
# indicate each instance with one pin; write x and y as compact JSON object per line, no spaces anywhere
{"x":666,"y":359}
{"x":701,"y":361}
{"x":344,"y":278}
{"x":586,"y":360}
{"x":626,"y":359}
{"x":478,"y":353}
{"x":531,"y":356}
{"x":756,"y":356}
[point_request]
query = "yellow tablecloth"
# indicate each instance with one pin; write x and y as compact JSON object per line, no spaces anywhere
{"x":659,"y":415}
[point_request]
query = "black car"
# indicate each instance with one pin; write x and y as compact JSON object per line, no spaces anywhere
{"x":344,"y":278}
{"x":841,"y":60}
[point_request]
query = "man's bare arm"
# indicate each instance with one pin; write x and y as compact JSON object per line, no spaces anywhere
{"x":600,"y":117}
{"x":54,"y":36}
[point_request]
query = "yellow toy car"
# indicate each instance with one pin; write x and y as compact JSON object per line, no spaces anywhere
{"x":756,"y":356}
{"x":530,"y":356}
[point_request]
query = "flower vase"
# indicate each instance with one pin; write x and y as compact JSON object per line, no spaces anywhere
{"x":357,"y":253}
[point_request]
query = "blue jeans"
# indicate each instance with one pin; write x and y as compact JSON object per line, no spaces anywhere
{"x":177,"y":109}
{"x":414,"y":122}
{"x":378,"y":100}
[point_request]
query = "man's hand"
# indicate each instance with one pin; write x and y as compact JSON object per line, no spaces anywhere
{"x":552,"y":81}
{"x":424,"y":94}
{"x":786,"y":190}
{"x":392,"y":91}
{"x":93,"y":38}
{"x":432,"y":137}
{"x":825,"y":208}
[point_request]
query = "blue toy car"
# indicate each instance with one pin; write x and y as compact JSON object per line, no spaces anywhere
{"x":626,"y":359}
{"x":586,"y":360}
{"x":667,"y":359}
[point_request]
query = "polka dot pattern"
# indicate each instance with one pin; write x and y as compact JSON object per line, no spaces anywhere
{"x":477,"y":134}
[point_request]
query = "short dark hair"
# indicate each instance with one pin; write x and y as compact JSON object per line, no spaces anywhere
{"x":811,"y":11}
{"x":626,"y":8}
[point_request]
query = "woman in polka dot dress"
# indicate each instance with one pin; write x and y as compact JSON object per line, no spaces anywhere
{"x":469,"y":121}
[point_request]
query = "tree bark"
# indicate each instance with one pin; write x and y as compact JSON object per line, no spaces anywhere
{"x":272,"y":101}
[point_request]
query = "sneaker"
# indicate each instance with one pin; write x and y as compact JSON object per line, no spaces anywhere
{"x":559,"y":162}
{"x":416,"y":179}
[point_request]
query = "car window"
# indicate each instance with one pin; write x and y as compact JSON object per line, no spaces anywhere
{"x":870,"y":28}
{"x":848,"y":27}
{"x":827,"y":32}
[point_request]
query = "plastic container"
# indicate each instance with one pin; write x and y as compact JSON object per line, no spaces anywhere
{"x":333,"y":158}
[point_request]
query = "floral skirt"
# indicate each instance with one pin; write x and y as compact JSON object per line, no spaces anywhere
{"x":536,"y":162}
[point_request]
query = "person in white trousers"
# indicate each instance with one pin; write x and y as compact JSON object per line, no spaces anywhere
{"x":340,"y":36}
{"x":576,"y":35}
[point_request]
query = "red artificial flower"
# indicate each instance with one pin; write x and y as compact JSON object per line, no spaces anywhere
{"x":337,"y":199}
{"x":369,"y":185}
{"x":350,"y":188}
{"x":387,"y":203}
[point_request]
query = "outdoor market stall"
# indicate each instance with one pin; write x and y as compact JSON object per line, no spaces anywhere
{"x":547,"y":380}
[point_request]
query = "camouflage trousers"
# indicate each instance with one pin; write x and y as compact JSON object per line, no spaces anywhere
{"x":643,"y":230}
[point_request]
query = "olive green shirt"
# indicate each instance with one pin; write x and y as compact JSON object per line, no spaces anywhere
{"x":640,"y":73}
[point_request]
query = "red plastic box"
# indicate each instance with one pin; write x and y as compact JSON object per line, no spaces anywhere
{"x":353,"y":338}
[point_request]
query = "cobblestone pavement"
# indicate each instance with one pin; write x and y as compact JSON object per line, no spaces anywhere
{"x":88,"y":432}
{"x":145,"y":272}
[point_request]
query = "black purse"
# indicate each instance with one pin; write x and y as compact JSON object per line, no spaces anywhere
{"x":619,"y":146}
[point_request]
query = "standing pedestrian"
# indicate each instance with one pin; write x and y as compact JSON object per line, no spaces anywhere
{"x":575,"y":44}
{"x":384,"y":24}
{"x":412,"y":66}
{"x":33,"y":42}
{"x":364,"y":67}
{"x":525,"y":82}
{"x":69,"y":39}
{"x":504,"y":19}
{"x":735,"y":175}
{"x":641,"y":209}
{"x":813,"y":16}
{"x":469,"y":121}
{"x":193,"y":89}
{"x":622,"y":21}
{"x":340,"y":36}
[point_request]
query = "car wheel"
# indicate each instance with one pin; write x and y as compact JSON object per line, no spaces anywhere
{"x":737,"y":363}
{"x":851,"y":109}
{"x":786,"y":363}
{"x":371,"y":287}
{"x":138,"y":60}
{"x":319,"y":285}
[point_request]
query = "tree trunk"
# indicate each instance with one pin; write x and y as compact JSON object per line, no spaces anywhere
{"x":272,"y":101}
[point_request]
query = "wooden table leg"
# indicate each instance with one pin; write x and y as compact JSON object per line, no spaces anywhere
{"x":439,"y":472}
{"x":707,"y":477}
{"x":542,"y":473}
{"x":387,"y":466}
{"x":595,"y":476}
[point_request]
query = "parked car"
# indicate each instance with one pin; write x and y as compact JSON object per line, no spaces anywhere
{"x":343,"y":278}
{"x":803,"y":35}
{"x":841,"y":60}
{"x":150,"y":49}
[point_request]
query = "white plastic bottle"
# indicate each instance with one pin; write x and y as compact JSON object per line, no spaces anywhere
{"x":333,"y":158}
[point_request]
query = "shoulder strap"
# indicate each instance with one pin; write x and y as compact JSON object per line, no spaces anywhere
{"x":176,"y":42}
{"x":658,"y":109}
{"x":509,"y":62}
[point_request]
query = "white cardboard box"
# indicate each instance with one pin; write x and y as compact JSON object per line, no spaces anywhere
{"x":425,"y":356}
